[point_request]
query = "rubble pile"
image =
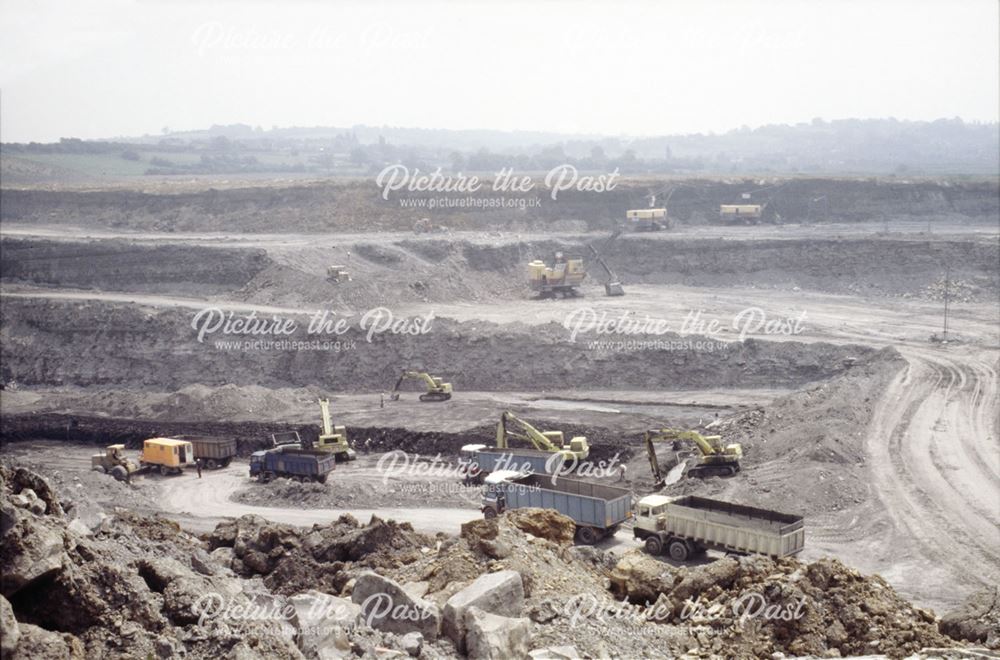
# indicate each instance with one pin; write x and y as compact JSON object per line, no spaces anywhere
{"x":514,"y":586}
{"x":292,"y":559}
{"x":116,"y":591}
{"x":756,"y":606}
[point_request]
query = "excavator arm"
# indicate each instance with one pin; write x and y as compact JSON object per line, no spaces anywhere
{"x":706,"y":444}
{"x":654,"y":464}
{"x":577,"y":449}
{"x":528,"y":432}
{"x":324,"y":406}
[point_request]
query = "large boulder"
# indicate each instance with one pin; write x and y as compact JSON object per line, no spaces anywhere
{"x":40,"y":644}
{"x":33,"y":548}
{"x":322,"y":622}
{"x":21,"y":479}
{"x":976,"y":620}
{"x":495,"y":637}
{"x":9,"y":630}
{"x":640,"y":578}
{"x":498,"y":593}
{"x":386,"y":606}
{"x":544,"y":523}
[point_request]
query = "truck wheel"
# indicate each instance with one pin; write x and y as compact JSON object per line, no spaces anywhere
{"x":227,"y":461}
{"x":268,"y":476}
{"x":119,"y":473}
{"x":678,"y":550}
{"x":164,"y":470}
{"x":489,"y":513}
{"x":587,"y":535}
{"x":321,"y":479}
{"x":653,"y":546}
{"x":211,"y":464}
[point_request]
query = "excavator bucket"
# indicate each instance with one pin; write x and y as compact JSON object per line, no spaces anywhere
{"x":614,"y":289}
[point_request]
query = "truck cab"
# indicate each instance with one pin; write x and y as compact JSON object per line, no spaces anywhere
{"x":469,"y":464}
{"x":651,"y":513}
{"x":494,"y":501}
{"x":257,"y":463}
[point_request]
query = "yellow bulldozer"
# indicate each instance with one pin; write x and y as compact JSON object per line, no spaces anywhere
{"x":560,"y":279}
{"x":437,"y":389}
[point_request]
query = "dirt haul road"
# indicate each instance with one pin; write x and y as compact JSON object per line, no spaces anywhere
{"x":200,"y":504}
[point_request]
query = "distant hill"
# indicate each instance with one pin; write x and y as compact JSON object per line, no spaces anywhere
{"x":842,"y":147}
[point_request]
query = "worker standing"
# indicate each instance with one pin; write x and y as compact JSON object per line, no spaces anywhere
{"x":197,"y":464}
{"x":621,"y":472}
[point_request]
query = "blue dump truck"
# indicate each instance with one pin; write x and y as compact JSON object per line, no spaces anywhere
{"x":292,"y":462}
{"x":597,"y":509}
{"x":478,"y":461}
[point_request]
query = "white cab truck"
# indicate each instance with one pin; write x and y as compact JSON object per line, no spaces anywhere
{"x":688,"y":525}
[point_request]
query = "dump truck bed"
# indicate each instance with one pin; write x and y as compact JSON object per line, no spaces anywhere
{"x":211,"y":447}
{"x":735,"y":527}
{"x":537,"y":461}
{"x":588,"y":503}
{"x":300,"y":462}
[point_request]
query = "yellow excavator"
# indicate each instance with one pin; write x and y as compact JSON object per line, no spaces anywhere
{"x":716,"y":459}
{"x":332,"y":439}
{"x":552,"y":441}
{"x":437,"y":389}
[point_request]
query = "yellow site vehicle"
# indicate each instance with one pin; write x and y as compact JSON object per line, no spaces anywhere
{"x":646,"y":219}
{"x":562,"y":278}
{"x":114,"y":462}
{"x":168,"y":455}
{"x":748,"y":214}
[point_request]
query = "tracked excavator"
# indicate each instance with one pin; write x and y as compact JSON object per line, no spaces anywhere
{"x":437,"y":389}
{"x":716,"y":459}
{"x":511,"y":426}
{"x":332,"y":439}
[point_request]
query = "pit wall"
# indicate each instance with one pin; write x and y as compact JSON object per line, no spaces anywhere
{"x":52,"y":343}
{"x":337,"y":206}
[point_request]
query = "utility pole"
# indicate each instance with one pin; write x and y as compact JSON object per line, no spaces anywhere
{"x":947,"y":286}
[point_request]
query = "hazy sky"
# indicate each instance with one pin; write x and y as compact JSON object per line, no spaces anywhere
{"x":128,"y":67}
